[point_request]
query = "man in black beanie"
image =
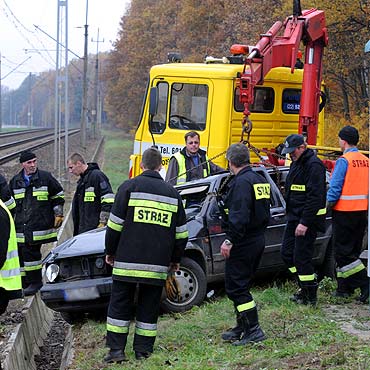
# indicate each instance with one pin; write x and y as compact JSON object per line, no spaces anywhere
{"x":348,"y":196}
{"x":39,"y":212}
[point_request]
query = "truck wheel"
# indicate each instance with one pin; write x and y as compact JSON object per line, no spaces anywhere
{"x":327,"y":268}
{"x":193,"y":286}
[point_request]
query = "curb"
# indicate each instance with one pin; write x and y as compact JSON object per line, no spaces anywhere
{"x":28,"y":336}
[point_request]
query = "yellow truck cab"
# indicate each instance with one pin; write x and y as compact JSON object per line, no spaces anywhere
{"x":204,"y":97}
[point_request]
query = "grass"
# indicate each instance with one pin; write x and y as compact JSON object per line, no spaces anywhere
{"x":118,"y":148}
{"x":299,"y":337}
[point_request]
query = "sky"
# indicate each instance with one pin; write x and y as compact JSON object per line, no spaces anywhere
{"x":25,"y":49}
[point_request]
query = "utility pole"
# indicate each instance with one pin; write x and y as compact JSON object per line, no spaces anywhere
{"x":96,"y":88}
{"x":84,"y":94}
{"x":29,"y":101}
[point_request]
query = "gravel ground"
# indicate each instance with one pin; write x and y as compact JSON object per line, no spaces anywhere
{"x":52,"y":350}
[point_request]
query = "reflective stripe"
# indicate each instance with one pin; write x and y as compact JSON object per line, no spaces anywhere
{"x":321,"y":211}
{"x":154,"y":197}
{"x":353,"y":197}
{"x":140,"y":266}
{"x":182,"y":235}
{"x":246,"y":306}
{"x":59,"y":195}
{"x":117,"y":329}
{"x":117,"y":322}
{"x":32,"y":266}
{"x":145,"y":329}
{"x":140,"y":274}
{"x":10,"y":203}
{"x":114,"y":226}
{"x":41,"y":193}
{"x":10,"y":273}
{"x":306,"y":277}
{"x":20,"y":237}
{"x":293,"y":269}
{"x":351,"y":269}
{"x":19,"y":193}
{"x":12,"y":254}
{"x":261,"y":191}
{"x":295,"y":187}
{"x":107,"y":198}
{"x":89,"y":195}
{"x":44,"y":234}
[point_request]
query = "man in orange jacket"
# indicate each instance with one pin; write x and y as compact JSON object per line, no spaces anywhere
{"x":348,"y":196}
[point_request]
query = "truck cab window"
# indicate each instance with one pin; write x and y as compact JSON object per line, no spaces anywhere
{"x":291,"y":101}
{"x":263,"y":100}
{"x":159,"y":120}
{"x":188,"y":110}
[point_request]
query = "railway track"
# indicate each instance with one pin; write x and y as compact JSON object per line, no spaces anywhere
{"x":34,"y":140}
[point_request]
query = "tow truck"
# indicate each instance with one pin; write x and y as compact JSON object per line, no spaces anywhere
{"x":221,"y":97}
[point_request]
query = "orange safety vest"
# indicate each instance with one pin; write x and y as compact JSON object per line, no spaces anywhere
{"x":355,"y":191}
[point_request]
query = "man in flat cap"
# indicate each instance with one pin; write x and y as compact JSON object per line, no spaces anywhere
{"x":348,"y":196}
{"x":305,"y":193}
{"x":39,"y":212}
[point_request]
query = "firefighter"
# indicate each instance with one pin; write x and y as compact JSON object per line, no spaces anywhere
{"x":305,"y":192}
{"x":6,"y":195}
{"x":10,"y":275}
{"x":248,"y":210}
{"x":348,"y":196}
{"x":145,"y":239}
{"x":39,"y":212}
{"x":93,"y":198}
{"x":190,"y":163}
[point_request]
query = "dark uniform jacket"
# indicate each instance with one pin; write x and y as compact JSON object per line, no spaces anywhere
{"x":305,"y":191}
{"x":194,"y":172}
{"x":248,"y":205}
{"x":6,"y":195}
{"x":146,"y":229}
{"x":34,"y":216}
{"x":93,"y":195}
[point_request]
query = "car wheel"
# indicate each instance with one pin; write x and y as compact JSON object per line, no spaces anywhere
{"x":327,"y":268}
{"x":193,"y":286}
{"x":72,"y":317}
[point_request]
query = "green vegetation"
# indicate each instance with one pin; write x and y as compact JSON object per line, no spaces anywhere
{"x":299,"y":337}
{"x":118,"y":148}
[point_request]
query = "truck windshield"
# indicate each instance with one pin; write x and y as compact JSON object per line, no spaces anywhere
{"x":188,"y":110}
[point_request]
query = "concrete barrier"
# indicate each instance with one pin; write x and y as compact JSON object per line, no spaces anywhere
{"x":28,"y":336}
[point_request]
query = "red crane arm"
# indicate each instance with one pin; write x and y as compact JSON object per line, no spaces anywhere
{"x":281,"y":51}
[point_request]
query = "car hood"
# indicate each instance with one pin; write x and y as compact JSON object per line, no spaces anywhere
{"x":91,"y":242}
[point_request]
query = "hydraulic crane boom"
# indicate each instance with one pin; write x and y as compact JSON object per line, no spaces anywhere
{"x":272,"y":51}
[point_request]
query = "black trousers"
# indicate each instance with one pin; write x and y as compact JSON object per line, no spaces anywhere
{"x":31,"y":259}
{"x":240,"y":268}
{"x":348,"y":233}
{"x":297,"y":251}
{"x":4,"y":300}
{"x":122,"y":307}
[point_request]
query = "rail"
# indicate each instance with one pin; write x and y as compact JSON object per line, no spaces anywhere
{"x":9,"y":157}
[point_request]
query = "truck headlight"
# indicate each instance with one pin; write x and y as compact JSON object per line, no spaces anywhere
{"x":52,"y":272}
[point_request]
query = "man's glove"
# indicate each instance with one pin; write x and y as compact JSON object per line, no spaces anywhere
{"x":58,"y":221}
{"x":101,"y":224}
{"x":172,"y":288}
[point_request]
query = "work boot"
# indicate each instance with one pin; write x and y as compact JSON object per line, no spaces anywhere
{"x":32,"y":289}
{"x":234,"y":333}
{"x":115,"y":355}
{"x":308,"y":295}
{"x":252,"y":332}
{"x":364,"y":296}
{"x":142,"y":355}
{"x":297,"y":296}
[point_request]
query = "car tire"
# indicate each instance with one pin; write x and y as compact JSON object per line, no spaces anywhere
{"x":327,"y":268}
{"x":193,"y":287}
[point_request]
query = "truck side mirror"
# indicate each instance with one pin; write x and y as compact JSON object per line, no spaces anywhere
{"x":153,"y":101}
